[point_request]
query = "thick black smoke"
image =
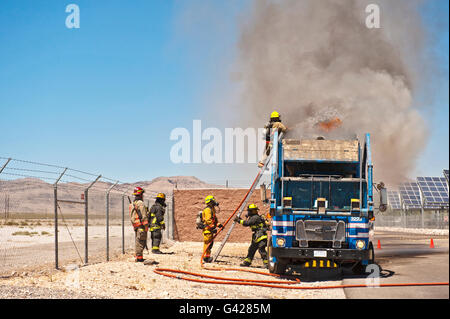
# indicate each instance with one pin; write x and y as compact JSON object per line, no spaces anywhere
{"x":314,"y":61}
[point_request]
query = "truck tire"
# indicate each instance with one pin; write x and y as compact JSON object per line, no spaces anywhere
{"x":372,"y":254}
{"x":278,"y":267}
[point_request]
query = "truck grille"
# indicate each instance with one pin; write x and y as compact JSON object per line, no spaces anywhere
{"x":320,"y":230}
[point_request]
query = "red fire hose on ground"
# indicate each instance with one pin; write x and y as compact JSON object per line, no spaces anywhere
{"x":283,"y":284}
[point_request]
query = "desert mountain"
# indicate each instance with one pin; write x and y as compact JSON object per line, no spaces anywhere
{"x":30,"y":195}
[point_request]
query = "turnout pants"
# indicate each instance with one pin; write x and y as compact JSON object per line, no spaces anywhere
{"x":259,"y":246}
{"x":140,"y":242}
{"x":156,"y":239}
{"x":207,"y":240}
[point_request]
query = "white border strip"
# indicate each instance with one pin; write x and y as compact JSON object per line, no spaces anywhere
{"x":282,"y":223}
{"x":357,"y":225}
{"x":287,"y":233}
{"x":360,"y":235}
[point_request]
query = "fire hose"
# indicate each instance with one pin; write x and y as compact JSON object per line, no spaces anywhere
{"x":177,"y":274}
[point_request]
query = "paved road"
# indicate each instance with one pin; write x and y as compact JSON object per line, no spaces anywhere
{"x":406,"y":258}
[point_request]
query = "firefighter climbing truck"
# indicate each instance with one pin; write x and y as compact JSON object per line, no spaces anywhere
{"x":322,"y":204}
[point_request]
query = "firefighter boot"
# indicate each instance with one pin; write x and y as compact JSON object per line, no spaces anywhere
{"x":139,"y":259}
{"x":156,"y":251}
{"x":207,"y":259}
{"x":246,"y":263}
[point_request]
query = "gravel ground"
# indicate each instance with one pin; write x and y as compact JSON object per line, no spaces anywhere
{"x":123,"y":278}
{"x":27,"y":292}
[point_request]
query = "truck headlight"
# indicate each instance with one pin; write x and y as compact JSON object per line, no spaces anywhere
{"x":360,"y":244}
{"x":281,"y":242}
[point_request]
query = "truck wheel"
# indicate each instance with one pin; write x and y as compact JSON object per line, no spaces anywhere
{"x":275,"y":267}
{"x":371,"y":254}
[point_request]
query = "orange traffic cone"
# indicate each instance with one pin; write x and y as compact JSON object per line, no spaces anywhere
{"x":431,"y":243}
{"x":379,"y":244}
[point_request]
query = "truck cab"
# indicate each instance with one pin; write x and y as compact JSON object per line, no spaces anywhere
{"x":321,"y":204}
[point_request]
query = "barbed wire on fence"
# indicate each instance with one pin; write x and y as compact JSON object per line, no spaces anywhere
{"x":70,"y":176}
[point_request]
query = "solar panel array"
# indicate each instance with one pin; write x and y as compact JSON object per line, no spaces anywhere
{"x":431,"y":192}
{"x":394,"y":200}
{"x":434,"y":191}
{"x":410,"y":194}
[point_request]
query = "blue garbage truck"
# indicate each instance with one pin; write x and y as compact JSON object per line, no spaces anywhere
{"x":322,"y":204}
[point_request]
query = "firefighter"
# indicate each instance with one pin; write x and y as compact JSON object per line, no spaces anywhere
{"x":139,"y":220}
{"x":211,"y":224}
{"x":274,"y":123}
{"x":259,"y":227}
{"x":157,"y":221}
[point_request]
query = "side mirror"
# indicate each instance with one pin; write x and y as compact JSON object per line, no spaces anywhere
{"x":383,"y":197}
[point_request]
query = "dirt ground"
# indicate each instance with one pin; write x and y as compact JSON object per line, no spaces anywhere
{"x":123,"y":278}
{"x":27,"y":243}
{"x":188,"y":202}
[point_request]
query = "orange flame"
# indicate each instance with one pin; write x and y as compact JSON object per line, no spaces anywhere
{"x":330,"y":124}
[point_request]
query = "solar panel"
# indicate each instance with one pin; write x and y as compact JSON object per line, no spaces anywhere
{"x":446,"y":174}
{"x":394,"y":199}
{"x":434,"y":190}
{"x":410,"y":194}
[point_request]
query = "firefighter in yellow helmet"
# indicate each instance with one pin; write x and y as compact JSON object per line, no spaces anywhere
{"x":157,"y":221}
{"x":139,"y":220}
{"x":211,"y":223}
{"x":257,"y":224}
{"x":274,"y":123}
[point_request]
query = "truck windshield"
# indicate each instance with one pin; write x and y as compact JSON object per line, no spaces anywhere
{"x":338,"y":194}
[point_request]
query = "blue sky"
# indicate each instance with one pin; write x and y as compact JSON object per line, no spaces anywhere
{"x":104,"y":98}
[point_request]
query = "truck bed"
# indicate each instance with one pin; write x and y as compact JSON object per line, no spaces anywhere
{"x":320,"y":150}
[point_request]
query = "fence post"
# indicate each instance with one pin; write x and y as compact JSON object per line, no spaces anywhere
{"x":4,"y":165}
{"x":86,"y":219}
{"x":123,"y":220}
{"x":172,"y":217}
{"x":107,"y":219}
{"x":55,"y":194}
{"x":6,"y":196}
{"x":404,"y":219}
{"x":169,"y":225}
{"x":422,"y":221}
{"x":107,"y":225}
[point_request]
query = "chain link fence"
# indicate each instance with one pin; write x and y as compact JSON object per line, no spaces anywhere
{"x":54,"y":216}
{"x":414,"y":219}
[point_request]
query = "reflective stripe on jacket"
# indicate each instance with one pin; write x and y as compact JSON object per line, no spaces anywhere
{"x":209,"y":218}
{"x":157,"y":216}
{"x":258,"y":226}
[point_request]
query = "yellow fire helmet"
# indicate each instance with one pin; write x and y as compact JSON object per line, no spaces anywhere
{"x":274,"y":114}
{"x":161,"y":195}
{"x":252,"y":207}
{"x":209,"y":198}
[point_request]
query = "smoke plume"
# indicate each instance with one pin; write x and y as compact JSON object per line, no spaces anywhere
{"x":316,"y":61}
